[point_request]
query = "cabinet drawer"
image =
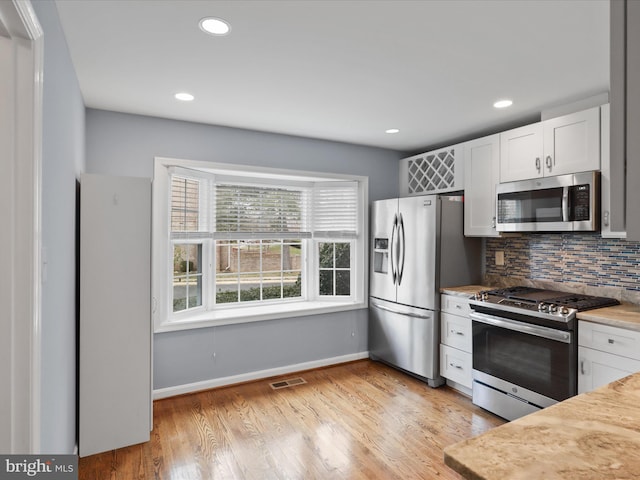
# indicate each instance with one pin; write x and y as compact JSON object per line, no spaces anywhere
{"x":455,"y":304}
{"x":455,"y":365}
{"x":605,"y":338}
{"x":455,"y":331}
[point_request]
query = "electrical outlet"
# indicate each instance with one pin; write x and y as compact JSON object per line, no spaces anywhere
{"x":500,"y":258}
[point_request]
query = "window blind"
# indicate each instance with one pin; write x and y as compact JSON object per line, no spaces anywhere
{"x":185,"y":204}
{"x":335,"y":210}
{"x":247,"y":211}
{"x":202,"y":208}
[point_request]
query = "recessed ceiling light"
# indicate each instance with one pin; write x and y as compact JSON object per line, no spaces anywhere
{"x":214,"y":26}
{"x":185,"y":97}
{"x":392,"y":130}
{"x":503,"y":104}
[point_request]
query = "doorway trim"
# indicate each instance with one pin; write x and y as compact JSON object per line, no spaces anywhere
{"x":21,"y":242}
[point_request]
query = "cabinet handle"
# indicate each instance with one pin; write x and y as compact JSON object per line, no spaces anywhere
{"x":549,"y":164}
{"x":605,"y":218}
{"x":493,"y":223}
{"x":459,"y":367}
{"x":582,"y":370}
{"x":458,"y":307}
{"x":538,"y":164}
{"x":456,"y":332}
{"x":611,"y":341}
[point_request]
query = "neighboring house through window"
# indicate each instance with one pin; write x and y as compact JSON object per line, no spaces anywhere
{"x":236,"y":244}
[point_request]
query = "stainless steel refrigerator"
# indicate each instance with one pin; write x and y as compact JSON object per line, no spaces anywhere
{"x":418,"y":246}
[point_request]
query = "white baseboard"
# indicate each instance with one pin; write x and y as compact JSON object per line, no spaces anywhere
{"x":257,"y":375}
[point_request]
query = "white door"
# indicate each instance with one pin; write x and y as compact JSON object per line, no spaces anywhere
{"x":481,"y":166}
{"x":521,"y":153}
{"x":20,"y":140}
{"x":6,"y":204}
{"x":572,"y":143}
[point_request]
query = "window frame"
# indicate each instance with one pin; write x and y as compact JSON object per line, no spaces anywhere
{"x":164,"y":319}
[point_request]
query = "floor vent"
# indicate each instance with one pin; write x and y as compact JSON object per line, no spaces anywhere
{"x":287,"y":383}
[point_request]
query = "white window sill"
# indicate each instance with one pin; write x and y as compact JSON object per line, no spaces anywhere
{"x":256,"y":314}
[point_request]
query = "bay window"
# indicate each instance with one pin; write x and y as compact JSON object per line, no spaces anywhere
{"x":234,"y":244}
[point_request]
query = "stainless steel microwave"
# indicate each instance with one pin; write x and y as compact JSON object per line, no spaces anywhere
{"x":565,"y":203}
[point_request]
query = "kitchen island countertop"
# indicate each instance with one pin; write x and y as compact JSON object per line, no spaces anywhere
{"x":593,"y":436}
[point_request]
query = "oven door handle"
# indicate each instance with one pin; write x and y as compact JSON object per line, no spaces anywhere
{"x":544,"y":332}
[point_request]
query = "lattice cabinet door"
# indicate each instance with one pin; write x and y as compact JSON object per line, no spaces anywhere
{"x":439,"y":171}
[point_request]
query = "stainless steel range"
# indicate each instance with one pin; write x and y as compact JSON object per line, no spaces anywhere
{"x":525,"y":347}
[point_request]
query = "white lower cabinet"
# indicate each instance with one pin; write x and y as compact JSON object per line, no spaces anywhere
{"x":456,"y":342}
{"x":455,"y":365}
{"x":605,"y":354}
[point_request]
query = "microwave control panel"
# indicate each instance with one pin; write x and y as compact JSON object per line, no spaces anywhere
{"x":580,"y":202}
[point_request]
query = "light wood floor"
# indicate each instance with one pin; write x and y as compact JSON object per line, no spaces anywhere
{"x":361,"y":420}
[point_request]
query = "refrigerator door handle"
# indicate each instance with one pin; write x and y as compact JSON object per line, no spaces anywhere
{"x":394,"y":232}
{"x":400,"y":312}
{"x":392,"y":249}
{"x":401,"y":256}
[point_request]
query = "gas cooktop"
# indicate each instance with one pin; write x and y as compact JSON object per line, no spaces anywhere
{"x":540,"y":303}
{"x":576,"y":301}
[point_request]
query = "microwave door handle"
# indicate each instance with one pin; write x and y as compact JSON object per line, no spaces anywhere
{"x":566,"y":206}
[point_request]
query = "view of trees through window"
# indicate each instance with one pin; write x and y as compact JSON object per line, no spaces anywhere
{"x":335,"y":268}
{"x":187,"y":276}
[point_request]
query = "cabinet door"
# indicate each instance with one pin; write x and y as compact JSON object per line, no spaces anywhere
{"x":596,"y":368}
{"x":521,"y":153}
{"x":482,"y":172}
{"x":115,"y":313}
{"x":633,"y":120}
{"x":607,"y":213}
{"x":572,"y":143}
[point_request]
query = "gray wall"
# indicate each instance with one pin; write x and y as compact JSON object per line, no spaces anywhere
{"x":122,"y":144}
{"x":63,"y":155}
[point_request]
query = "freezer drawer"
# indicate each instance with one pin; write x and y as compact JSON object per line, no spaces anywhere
{"x":405,"y":337}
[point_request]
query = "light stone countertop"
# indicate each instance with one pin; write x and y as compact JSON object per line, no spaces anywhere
{"x":464,"y":290}
{"x":593,"y":436}
{"x":623,"y":316}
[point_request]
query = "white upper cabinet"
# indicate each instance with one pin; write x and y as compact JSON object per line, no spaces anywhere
{"x":438,"y":171}
{"x":566,"y":144}
{"x":521,"y":153}
{"x":482,"y":174}
{"x":572,"y":143}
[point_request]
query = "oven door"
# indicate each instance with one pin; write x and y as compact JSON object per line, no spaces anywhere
{"x":537,"y":358}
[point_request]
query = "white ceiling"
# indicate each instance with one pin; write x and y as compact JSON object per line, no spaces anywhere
{"x":341,"y":70}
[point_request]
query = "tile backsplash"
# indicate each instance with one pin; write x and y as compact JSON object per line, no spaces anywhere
{"x":600,"y":266}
